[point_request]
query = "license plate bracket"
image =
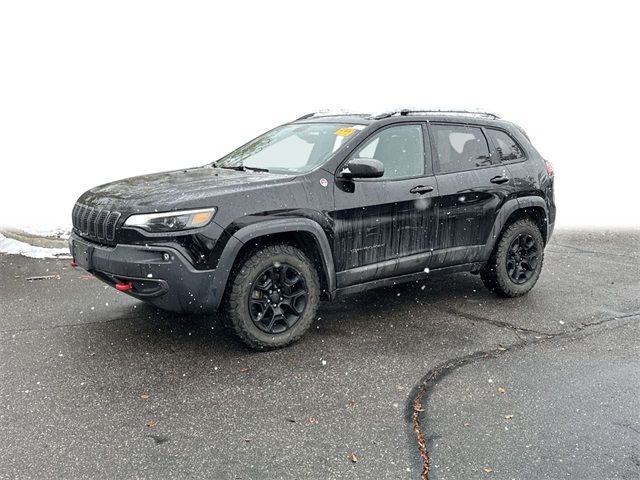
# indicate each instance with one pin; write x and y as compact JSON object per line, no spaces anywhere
{"x":83,"y":254}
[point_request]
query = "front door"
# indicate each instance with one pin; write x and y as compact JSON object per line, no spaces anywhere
{"x":472,"y":188}
{"x":386,"y":226}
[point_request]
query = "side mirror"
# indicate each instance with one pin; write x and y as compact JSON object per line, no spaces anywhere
{"x":362,"y":168}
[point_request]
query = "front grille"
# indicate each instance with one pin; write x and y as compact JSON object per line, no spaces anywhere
{"x":97,"y":223}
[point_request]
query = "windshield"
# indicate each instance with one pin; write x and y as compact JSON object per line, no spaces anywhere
{"x":295,"y":148}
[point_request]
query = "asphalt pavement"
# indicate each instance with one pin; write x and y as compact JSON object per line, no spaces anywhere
{"x":96,"y":384}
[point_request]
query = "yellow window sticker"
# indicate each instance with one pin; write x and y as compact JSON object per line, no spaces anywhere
{"x":345,"y":132}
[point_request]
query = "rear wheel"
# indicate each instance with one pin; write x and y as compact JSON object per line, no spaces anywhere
{"x":516,"y":262}
{"x":272,"y":298}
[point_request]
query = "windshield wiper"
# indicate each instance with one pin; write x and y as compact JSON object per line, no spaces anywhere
{"x":242,"y":168}
{"x":256,"y":169}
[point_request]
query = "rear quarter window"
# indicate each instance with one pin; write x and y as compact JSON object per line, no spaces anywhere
{"x":507,"y":148}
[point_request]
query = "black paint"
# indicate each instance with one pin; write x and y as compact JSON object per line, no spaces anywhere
{"x":359,"y":231}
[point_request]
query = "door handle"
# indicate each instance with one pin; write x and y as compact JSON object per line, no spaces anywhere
{"x":500,"y":179}
{"x":421,"y":189}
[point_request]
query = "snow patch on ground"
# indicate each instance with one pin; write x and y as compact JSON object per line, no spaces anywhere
{"x":16,"y":247}
{"x":50,"y":232}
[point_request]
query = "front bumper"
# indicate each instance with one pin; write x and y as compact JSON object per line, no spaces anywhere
{"x":160,"y":275}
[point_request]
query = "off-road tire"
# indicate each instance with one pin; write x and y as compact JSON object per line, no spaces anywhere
{"x":495,"y":274}
{"x":236,"y":316}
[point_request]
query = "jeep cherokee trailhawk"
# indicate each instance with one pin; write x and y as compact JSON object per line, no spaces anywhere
{"x":321,"y":207}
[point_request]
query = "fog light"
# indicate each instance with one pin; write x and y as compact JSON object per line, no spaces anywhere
{"x":166,"y":257}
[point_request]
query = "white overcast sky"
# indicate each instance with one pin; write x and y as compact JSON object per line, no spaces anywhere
{"x":95,"y":91}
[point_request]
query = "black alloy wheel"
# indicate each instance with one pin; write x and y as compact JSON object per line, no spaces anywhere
{"x":278,"y":298}
{"x":522,"y":258}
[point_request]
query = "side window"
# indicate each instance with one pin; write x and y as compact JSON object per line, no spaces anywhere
{"x":460,"y":148}
{"x":506,"y":147}
{"x":400,"y":149}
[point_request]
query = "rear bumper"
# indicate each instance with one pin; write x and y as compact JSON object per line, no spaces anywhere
{"x":160,"y":275}
{"x":550,"y":230}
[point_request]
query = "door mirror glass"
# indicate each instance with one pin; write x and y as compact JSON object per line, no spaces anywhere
{"x":362,"y":168}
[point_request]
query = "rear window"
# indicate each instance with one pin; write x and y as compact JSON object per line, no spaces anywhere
{"x":460,"y":148}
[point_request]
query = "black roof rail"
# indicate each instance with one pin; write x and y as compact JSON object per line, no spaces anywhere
{"x":329,"y":113}
{"x":380,"y":116}
{"x":405,"y":112}
{"x":303,"y":117}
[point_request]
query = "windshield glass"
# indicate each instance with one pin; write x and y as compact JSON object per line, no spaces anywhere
{"x":295,"y":148}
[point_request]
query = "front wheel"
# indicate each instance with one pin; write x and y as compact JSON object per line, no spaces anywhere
{"x":516,"y":262}
{"x":272,"y":297}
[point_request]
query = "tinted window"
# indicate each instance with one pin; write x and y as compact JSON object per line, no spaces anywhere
{"x":400,"y":149}
{"x":460,"y":148}
{"x":506,"y":147}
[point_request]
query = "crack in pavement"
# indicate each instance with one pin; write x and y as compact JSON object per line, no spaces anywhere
{"x":421,"y":391}
{"x":496,"y":323}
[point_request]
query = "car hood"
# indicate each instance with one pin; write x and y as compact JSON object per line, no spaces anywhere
{"x":166,"y":191}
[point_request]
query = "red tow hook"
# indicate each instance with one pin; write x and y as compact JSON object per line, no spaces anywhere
{"x":124,"y":287}
{"x":73,"y":264}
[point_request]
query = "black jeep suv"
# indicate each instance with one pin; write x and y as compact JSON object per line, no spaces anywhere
{"x":320,"y":207}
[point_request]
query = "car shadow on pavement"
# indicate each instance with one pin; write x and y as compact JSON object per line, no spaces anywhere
{"x":359,"y":314}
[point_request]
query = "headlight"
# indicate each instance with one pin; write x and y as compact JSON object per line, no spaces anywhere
{"x":171,"y":221}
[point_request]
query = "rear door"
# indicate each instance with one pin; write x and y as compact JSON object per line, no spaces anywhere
{"x":472,"y":188}
{"x":507,"y":152}
{"x":380,"y":220}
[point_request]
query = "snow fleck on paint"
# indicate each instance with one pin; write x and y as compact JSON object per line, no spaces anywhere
{"x":422,"y":203}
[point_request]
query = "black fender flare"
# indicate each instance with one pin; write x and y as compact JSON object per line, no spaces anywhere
{"x":268,"y":227}
{"x":509,"y":207}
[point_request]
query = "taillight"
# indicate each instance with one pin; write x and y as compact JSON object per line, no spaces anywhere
{"x":549,"y":167}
